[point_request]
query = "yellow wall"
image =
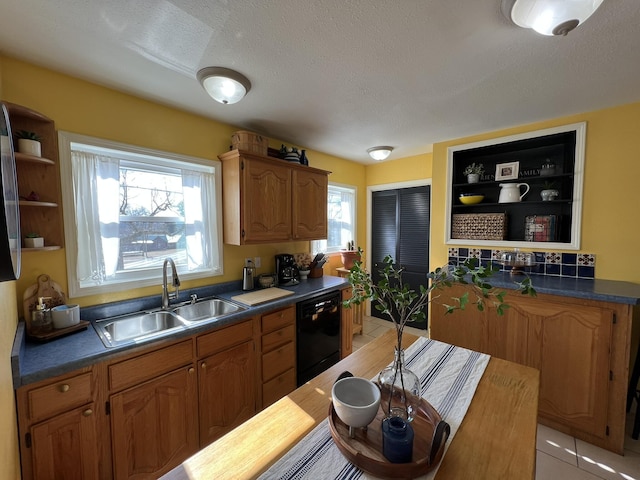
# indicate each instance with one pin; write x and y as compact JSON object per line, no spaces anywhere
{"x":405,"y":169}
{"x":85,"y":108}
{"x":610,"y":227}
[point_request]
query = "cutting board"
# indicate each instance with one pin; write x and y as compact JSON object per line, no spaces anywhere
{"x":261,"y":296}
{"x":45,"y":287}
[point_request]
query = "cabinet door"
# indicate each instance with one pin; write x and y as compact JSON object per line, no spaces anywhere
{"x":154,"y":425}
{"x":266,"y":202}
{"x":569,"y":344}
{"x":309,"y":214}
{"x":66,"y":446}
{"x":227,"y":395}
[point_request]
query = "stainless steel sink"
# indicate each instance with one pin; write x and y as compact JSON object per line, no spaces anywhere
{"x":137,"y":327}
{"x":207,"y":310}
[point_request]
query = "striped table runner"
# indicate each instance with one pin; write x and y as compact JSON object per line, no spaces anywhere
{"x":449,"y":377}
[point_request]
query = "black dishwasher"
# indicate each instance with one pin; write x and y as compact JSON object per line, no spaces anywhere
{"x":317,"y":335}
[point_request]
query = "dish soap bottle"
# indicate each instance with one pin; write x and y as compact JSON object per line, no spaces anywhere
{"x":41,"y":318}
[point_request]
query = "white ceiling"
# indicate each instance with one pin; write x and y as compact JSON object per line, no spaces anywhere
{"x":339,"y":76}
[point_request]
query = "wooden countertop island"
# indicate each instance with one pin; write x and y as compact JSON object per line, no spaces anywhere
{"x":497,"y":438}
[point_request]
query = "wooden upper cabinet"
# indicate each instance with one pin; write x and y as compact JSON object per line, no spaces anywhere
{"x":269,"y":200}
{"x":309,"y":213}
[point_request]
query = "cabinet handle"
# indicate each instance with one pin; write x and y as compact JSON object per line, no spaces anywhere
{"x":203,"y":365}
{"x":191,"y":370}
{"x":64,"y":387}
{"x":88,"y":412}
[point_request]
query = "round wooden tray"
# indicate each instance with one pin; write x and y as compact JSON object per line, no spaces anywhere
{"x":365,"y":450}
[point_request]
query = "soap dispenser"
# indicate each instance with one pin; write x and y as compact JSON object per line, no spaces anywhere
{"x":41,"y":318}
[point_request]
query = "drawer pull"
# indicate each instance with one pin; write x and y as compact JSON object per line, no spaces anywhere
{"x":204,"y":365}
{"x":191,"y":370}
{"x":88,"y":412}
{"x":64,"y":388}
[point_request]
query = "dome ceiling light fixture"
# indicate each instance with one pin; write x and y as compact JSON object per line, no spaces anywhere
{"x":379,"y":153}
{"x":223,"y":84}
{"x":549,"y":17}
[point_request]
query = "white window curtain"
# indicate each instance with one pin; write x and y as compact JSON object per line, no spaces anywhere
{"x":199,"y":194}
{"x":96,"y":177}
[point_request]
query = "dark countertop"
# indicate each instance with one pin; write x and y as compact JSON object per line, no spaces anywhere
{"x":602,"y":290}
{"x":32,"y":361}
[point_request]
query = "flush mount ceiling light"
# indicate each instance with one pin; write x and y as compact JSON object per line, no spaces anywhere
{"x":223,"y":84}
{"x":549,"y":17}
{"x":379,"y":153}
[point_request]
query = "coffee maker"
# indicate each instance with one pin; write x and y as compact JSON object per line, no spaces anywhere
{"x":287,"y":270}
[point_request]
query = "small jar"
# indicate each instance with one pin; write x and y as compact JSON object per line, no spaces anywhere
{"x":397,"y":440}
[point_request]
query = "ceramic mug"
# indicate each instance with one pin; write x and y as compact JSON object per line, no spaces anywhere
{"x":64,"y":316}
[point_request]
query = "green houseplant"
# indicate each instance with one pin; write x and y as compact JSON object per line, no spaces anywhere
{"x":33,"y":240}
{"x":29,"y":143}
{"x":403,"y":305}
{"x":473,"y":172}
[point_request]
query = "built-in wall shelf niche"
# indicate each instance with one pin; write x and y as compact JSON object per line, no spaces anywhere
{"x":546,"y":159}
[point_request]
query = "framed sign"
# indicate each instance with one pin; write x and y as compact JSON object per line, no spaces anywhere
{"x":507,"y":171}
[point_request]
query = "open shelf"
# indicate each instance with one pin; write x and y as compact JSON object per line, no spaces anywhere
{"x":561,"y":146}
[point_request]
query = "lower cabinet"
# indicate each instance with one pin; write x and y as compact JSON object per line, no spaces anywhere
{"x":57,"y":424}
{"x":347,"y":321}
{"x":278,"y":330}
{"x":154,"y":426}
{"x":226,"y":380}
{"x":572,"y":343}
{"x":65,"y":446}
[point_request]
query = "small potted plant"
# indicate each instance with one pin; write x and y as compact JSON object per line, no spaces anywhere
{"x":473,"y":172}
{"x":33,"y":240}
{"x":29,"y":143}
{"x":549,"y":192}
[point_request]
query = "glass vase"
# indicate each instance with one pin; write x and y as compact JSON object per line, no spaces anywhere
{"x":399,"y":389}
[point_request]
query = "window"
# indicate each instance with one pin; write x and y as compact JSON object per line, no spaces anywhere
{"x":126,"y":209}
{"x":341,"y":218}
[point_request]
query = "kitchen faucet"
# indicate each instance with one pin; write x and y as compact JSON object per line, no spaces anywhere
{"x":175,"y":281}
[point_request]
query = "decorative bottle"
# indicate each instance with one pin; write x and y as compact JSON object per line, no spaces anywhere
{"x":397,"y":440}
{"x":41,"y":318}
{"x":399,"y":389}
{"x":303,"y":158}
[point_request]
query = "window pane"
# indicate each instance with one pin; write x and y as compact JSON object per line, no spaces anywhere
{"x":127,"y":209}
{"x":341,"y":220}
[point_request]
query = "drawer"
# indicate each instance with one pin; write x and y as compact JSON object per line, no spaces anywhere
{"x":279,"y":319}
{"x":278,"y":361}
{"x":279,"y":337}
{"x":149,"y":365}
{"x":275,"y":389}
{"x":224,"y":338}
{"x":59,"y":396}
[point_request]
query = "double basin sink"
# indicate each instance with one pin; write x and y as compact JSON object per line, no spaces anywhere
{"x":142,"y":326}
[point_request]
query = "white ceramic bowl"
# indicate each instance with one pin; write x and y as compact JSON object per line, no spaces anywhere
{"x":356,"y":401}
{"x":64,"y":316}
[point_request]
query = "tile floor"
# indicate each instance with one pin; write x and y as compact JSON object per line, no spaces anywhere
{"x":559,"y":456}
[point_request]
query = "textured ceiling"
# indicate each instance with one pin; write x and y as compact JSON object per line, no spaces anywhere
{"x":339,"y":76}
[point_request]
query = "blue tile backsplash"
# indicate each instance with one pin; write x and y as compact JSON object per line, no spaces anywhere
{"x":571,"y":265}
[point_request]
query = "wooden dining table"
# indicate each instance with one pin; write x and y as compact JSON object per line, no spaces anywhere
{"x":496,"y":440}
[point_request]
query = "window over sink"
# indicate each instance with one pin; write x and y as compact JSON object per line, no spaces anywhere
{"x":128,"y":208}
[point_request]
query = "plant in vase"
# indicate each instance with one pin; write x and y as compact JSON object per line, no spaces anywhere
{"x":473,"y":172}
{"x":29,"y":143}
{"x":400,"y":388}
{"x":549,"y":192}
{"x":33,"y":240}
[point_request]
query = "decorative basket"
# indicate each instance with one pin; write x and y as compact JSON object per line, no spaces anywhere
{"x":250,"y":142}
{"x":479,"y":226}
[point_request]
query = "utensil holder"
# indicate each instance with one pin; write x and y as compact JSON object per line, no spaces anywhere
{"x":316,"y":273}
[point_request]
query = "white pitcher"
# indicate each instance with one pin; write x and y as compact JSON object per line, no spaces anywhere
{"x":511,"y":192}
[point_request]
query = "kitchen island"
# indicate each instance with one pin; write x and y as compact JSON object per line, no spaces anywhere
{"x":497,"y":438}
